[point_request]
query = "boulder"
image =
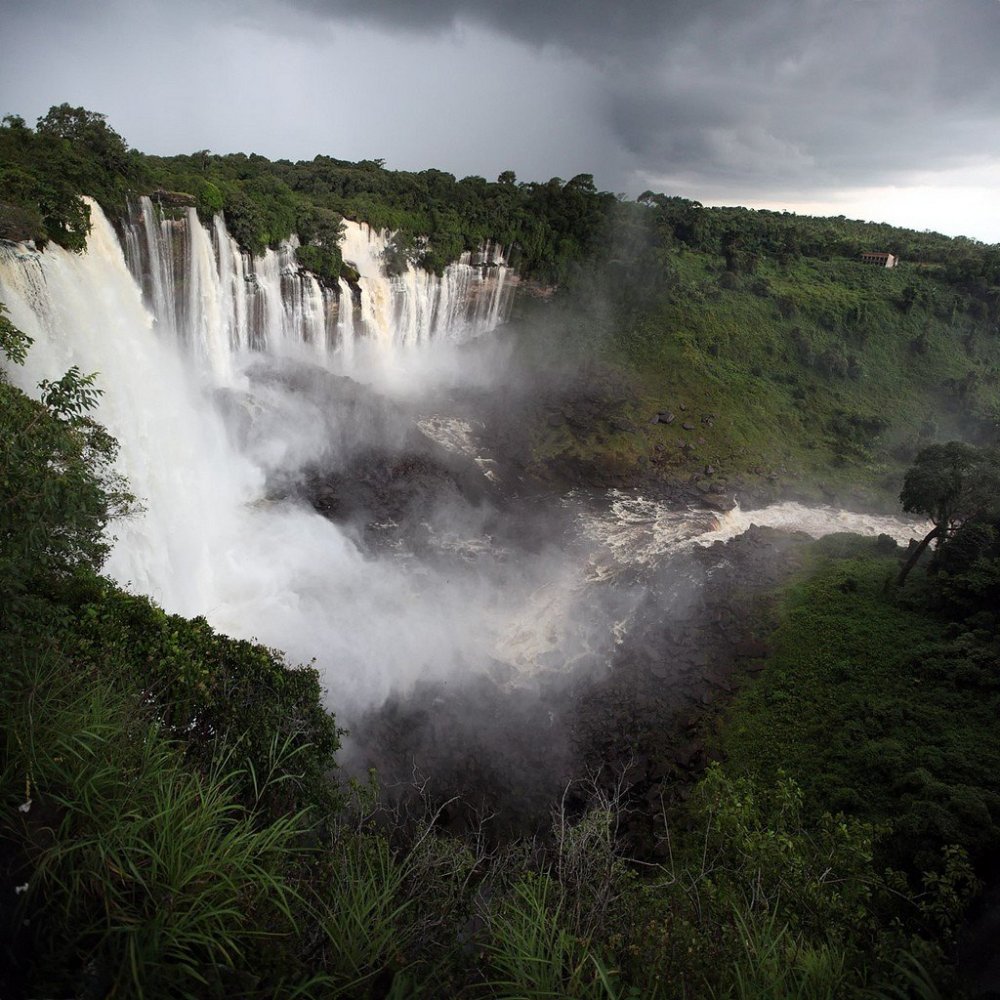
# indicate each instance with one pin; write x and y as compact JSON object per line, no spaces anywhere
{"x":717,"y":502}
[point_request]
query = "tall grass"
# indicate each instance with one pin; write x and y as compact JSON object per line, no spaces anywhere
{"x":772,"y":963}
{"x":532,"y":956}
{"x":367,"y":916}
{"x":144,"y":877}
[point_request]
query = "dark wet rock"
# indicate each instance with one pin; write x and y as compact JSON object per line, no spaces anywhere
{"x":173,"y":199}
{"x":718,"y":502}
{"x":688,"y":755}
{"x":752,"y":649}
{"x":375,"y":487}
{"x":370,"y":464}
{"x":19,"y":225}
{"x":666,"y":417}
{"x":503,"y":753}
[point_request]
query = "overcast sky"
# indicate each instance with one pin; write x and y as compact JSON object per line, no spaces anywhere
{"x":875,"y":109}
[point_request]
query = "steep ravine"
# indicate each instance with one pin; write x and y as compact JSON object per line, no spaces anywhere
{"x":334,"y":483}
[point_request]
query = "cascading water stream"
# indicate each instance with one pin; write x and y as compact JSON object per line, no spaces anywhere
{"x":219,"y":301}
{"x":417,"y":307}
{"x":636,"y":531}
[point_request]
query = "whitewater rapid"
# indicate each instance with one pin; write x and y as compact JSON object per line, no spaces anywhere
{"x":173,"y":321}
{"x":632,"y":530}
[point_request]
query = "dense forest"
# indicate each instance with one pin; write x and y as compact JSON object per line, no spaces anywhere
{"x":549,"y":226}
{"x":174,"y":823}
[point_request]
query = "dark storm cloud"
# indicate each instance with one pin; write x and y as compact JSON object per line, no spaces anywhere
{"x":588,"y":26}
{"x":766,"y":96}
{"x":860,"y":106}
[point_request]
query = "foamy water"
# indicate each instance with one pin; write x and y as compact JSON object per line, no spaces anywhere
{"x":637,"y":531}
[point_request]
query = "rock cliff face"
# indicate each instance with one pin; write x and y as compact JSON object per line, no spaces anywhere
{"x":217,"y":300}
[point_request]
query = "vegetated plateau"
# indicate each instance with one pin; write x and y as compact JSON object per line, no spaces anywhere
{"x":786,"y":777}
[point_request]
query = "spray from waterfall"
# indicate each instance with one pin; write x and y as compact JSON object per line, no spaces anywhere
{"x":196,"y":342}
{"x":175,"y":324}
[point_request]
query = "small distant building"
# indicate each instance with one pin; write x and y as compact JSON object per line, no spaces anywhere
{"x":879,"y":258}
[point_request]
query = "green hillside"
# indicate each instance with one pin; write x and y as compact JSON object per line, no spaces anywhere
{"x":815,"y":373}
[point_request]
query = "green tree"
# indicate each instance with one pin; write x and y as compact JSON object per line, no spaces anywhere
{"x":90,"y":130}
{"x":59,"y":485}
{"x":953,"y":484}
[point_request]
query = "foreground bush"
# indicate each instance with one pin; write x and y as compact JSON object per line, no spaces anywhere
{"x":137,"y":875}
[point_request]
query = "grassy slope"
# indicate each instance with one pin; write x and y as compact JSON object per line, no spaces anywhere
{"x":873,"y":713}
{"x":814,"y":372}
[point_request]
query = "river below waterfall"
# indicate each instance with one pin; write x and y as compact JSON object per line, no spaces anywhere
{"x":306,"y":482}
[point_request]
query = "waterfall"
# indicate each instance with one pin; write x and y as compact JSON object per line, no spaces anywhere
{"x":219,"y":301}
{"x":185,"y":333}
{"x":345,"y":323}
{"x":416,"y":307}
{"x":87,"y":310}
{"x":168,"y":318}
